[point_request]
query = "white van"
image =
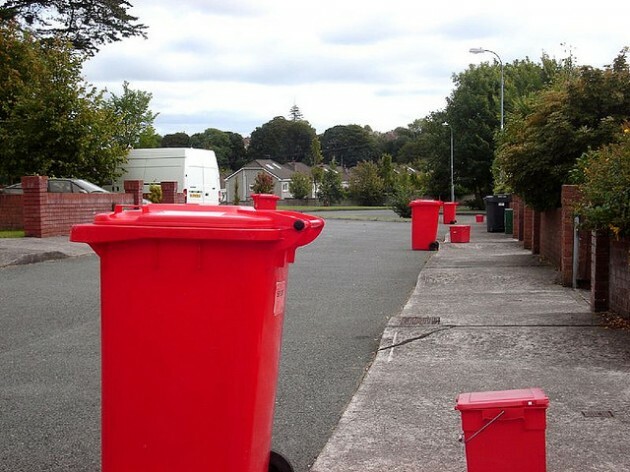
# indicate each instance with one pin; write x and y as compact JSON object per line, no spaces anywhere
{"x":195,"y":171}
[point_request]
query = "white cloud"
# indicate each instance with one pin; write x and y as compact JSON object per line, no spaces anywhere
{"x":235,"y":65}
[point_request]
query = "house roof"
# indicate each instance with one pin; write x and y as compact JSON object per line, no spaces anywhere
{"x":280,"y":171}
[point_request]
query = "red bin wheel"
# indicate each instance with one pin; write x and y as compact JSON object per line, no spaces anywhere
{"x":277,"y":463}
{"x":434,"y":246}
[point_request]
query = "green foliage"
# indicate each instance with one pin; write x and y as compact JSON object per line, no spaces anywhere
{"x":136,"y":119}
{"x":87,"y":24}
{"x":295,"y":114}
{"x":51,"y":121}
{"x":179,"y":139}
{"x":387,"y":174}
{"x":155,"y":193}
{"x":149,"y":139}
{"x":237,"y":194}
{"x":227,"y":146}
{"x":282,"y":140}
{"x":300,"y":186}
{"x":349,"y":145}
{"x":408,"y":186}
{"x":263,"y":183}
{"x":542,"y":143}
{"x":316,"y":152}
{"x":605,"y":186}
{"x":330,"y":190}
{"x":366,"y":186}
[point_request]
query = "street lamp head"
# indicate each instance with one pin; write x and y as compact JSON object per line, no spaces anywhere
{"x":477,"y":50}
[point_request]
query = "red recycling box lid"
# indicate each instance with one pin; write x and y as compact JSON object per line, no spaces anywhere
{"x":198,"y":222}
{"x":502,"y":399}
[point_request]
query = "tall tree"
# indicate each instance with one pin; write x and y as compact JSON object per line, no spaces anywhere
{"x":179,"y":139}
{"x":473,"y":113}
{"x":136,"y":119}
{"x":295,"y":114}
{"x":228,"y":147}
{"x":282,"y":140}
{"x":52,"y":122}
{"x":542,"y":144}
{"x":349,"y":145}
{"x":87,"y":24}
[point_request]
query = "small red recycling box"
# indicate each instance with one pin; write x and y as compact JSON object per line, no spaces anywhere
{"x":425,"y":215}
{"x":460,"y":233}
{"x":504,"y":430}
{"x":449,"y":211}
{"x":192,"y":306}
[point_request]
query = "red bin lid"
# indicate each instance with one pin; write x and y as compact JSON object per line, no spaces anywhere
{"x":199,"y":222}
{"x":502,"y":399}
{"x":425,"y":203}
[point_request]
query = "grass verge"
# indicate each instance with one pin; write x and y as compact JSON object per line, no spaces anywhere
{"x":11,"y":234}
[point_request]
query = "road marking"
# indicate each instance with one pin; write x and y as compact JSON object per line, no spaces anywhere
{"x":391,"y":351}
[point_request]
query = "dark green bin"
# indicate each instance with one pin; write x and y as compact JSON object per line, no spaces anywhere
{"x":509,"y":220}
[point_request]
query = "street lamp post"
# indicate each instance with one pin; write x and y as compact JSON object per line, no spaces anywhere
{"x":482,"y":50}
{"x":452,"y":180}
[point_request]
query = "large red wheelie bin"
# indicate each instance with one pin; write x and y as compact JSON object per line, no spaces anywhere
{"x":192,"y":306}
{"x":425,"y":215}
{"x":449,"y":211}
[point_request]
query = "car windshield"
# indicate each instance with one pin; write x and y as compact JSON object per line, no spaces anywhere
{"x":89,"y":187}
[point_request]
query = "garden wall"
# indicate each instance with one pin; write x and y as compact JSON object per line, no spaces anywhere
{"x":11,"y":212}
{"x":603,"y":263}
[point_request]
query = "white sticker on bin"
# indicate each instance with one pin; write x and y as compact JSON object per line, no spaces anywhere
{"x":281,"y":295}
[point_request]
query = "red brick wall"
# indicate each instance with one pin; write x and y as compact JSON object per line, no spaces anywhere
{"x":63,"y":210}
{"x":551,"y":236}
{"x":536,"y":216}
{"x":619,"y":277}
{"x":11,"y":215}
{"x":53,"y":214}
{"x":169,"y":193}
{"x":600,"y":270}
{"x":528,"y":226}
{"x":517,"y":217}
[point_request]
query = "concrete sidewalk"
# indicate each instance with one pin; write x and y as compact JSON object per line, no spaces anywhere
{"x":16,"y":251}
{"x":486,"y":316}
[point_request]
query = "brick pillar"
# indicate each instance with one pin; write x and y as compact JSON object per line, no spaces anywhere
{"x":528,"y":223}
{"x":517,"y":208}
{"x":135,"y":187}
{"x":169,"y":192}
{"x":600,"y":262}
{"x":536,"y":232}
{"x":35,"y":189}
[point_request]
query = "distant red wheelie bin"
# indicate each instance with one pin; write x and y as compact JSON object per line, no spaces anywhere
{"x":449,"y":210}
{"x":192,"y":307}
{"x":504,"y":430}
{"x":425,"y":215}
{"x":265,"y":201}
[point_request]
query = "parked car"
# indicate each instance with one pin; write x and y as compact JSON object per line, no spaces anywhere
{"x":60,"y":186}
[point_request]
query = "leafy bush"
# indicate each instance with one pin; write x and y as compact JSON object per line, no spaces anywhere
{"x":366,"y":185}
{"x":604,"y":178}
{"x":263,"y":183}
{"x":407,"y":187}
{"x":300,"y":186}
{"x":155,"y":193}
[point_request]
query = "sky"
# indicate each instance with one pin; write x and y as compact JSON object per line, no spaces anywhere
{"x":234,"y":65}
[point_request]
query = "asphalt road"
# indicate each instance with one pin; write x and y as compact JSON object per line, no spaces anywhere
{"x":342,"y":290}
